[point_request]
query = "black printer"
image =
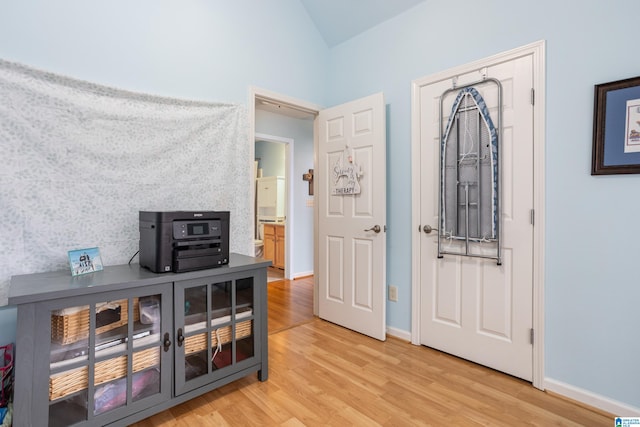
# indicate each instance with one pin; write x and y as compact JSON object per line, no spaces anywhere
{"x":179,"y":241}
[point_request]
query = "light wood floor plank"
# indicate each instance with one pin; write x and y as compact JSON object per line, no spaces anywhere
{"x":323,"y":375}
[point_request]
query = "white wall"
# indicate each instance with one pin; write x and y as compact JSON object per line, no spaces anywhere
{"x":592,"y":281}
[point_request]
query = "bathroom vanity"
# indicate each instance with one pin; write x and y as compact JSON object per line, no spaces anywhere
{"x":274,"y":243}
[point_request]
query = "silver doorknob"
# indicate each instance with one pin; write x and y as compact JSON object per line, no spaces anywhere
{"x":428,"y":229}
{"x":375,"y":228}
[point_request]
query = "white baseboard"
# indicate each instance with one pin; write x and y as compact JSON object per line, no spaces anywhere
{"x":616,"y":408}
{"x":399,"y":333}
{"x":301,"y":274}
{"x":594,"y":400}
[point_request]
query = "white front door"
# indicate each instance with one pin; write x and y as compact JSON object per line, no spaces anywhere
{"x":472,"y":307}
{"x":352,"y":215}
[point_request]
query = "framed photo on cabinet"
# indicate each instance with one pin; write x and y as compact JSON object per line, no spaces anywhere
{"x":83,"y":261}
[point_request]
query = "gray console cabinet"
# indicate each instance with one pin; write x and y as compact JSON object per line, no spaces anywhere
{"x":116,"y":346}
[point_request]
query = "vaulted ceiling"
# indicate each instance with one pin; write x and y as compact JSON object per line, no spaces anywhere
{"x":340,"y":20}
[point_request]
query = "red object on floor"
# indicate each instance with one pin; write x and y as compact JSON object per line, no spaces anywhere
{"x":6,"y":374}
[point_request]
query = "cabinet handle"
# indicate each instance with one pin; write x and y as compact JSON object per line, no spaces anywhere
{"x":180,"y":337}
{"x":167,"y":342}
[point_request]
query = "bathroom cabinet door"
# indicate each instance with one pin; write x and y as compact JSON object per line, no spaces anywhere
{"x":274,"y":244}
{"x":269,"y":243}
{"x":279,"y":246}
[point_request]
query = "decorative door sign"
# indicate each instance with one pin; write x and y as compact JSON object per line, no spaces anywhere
{"x":346,"y":177}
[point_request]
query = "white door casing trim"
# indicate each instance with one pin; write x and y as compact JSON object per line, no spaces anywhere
{"x":297,"y":104}
{"x":537,"y":51}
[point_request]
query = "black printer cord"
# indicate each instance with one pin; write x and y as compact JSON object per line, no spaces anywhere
{"x":134,"y":255}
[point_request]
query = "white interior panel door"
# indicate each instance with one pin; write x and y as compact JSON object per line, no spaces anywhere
{"x":352,"y":215}
{"x":473,"y":307}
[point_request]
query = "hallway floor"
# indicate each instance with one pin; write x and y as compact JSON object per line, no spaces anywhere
{"x":274,"y":274}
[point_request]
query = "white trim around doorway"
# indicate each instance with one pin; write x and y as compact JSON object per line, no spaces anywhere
{"x":256,"y":93}
{"x":289,"y":218}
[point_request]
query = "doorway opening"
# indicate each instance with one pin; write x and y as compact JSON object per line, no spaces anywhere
{"x":275,"y":219}
{"x":282,"y":120}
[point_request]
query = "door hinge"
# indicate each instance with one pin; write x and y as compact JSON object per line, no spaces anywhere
{"x":533,"y":217}
{"x":533,"y":96}
{"x":531,"y":336}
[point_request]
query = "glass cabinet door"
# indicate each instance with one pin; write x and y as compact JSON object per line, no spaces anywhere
{"x":106,"y":355}
{"x":215,"y":328}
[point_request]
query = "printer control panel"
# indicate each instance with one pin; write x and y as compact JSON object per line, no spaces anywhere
{"x":197,"y":229}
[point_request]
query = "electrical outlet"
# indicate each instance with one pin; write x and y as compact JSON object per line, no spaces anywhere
{"x":393,"y":293}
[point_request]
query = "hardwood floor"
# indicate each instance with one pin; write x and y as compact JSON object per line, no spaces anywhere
{"x":274,"y":274}
{"x":290,"y":303}
{"x":323,"y":375}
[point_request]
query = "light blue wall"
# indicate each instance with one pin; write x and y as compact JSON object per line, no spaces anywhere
{"x":194,"y":49}
{"x":592,"y":279}
{"x":270,"y":157}
{"x":301,"y":131}
{"x":211,"y":50}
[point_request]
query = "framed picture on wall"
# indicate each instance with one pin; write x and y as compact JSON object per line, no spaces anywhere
{"x":83,"y":261}
{"x":616,"y":128}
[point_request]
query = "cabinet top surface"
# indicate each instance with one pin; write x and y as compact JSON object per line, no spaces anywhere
{"x":29,"y":288}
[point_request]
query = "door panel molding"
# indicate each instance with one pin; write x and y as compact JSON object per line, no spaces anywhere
{"x":537,"y":52}
{"x":353,"y":134}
